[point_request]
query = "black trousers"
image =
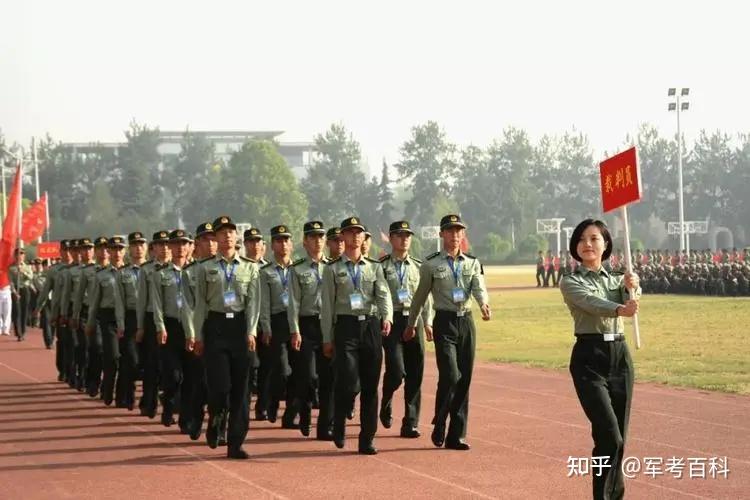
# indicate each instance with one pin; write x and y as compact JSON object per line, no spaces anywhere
{"x":150,"y":352}
{"x":128,"y":366}
{"x":314,"y":370}
{"x":359,"y":358}
{"x":550,"y":274}
{"x":177,"y":372}
{"x":20,"y":309}
{"x":227,"y":363}
{"x":262,"y":361}
{"x":69,"y":338}
{"x":404,"y":361}
{"x":47,"y":333}
{"x":539,"y":276}
{"x":280,"y":357}
{"x":60,"y":353}
{"x":81,"y":351}
{"x":110,"y":353}
{"x":603,"y":377}
{"x":455,"y":343}
{"x":94,"y":366}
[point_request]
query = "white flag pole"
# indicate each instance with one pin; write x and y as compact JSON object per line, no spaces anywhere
{"x":629,"y":267}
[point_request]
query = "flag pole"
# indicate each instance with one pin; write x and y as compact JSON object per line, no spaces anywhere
{"x":629,"y":267}
{"x":46,"y":210}
{"x":36,"y":175}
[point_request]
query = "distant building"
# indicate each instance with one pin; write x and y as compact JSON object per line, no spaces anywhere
{"x":297,"y":154}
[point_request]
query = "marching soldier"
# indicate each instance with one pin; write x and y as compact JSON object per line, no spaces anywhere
{"x":101,"y":314}
{"x":454,"y":278}
{"x":404,"y":359}
{"x":205,"y":250}
{"x":227,"y":305}
{"x":81,"y":299}
{"x":303,"y":315}
{"x":126,"y":300}
{"x":255,"y":250}
{"x":351,"y":285}
{"x":335,"y":243}
{"x":41,"y":308}
{"x":274,"y":300}
{"x":146,"y":329}
{"x":173,"y":322}
{"x":65,"y":336}
{"x":20,"y":275}
{"x":70,"y":292}
{"x":255,"y":246}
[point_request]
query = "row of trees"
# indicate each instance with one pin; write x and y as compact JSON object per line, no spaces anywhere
{"x":500,"y":189}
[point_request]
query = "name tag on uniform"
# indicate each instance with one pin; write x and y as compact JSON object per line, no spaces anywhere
{"x":403,"y":296}
{"x":459,"y":295}
{"x":230,"y":298}
{"x":285,"y":298}
{"x":356,"y":301}
{"x":179,"y":302}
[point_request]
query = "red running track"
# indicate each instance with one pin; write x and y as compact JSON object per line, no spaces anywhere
{"x":524,"y":424}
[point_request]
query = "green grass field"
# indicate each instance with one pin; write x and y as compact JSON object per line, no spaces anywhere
{"x":700,"y":342}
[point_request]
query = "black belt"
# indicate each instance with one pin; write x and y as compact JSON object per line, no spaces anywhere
{"x":602,"y":337}
{"x":226,"y":315}
{"x":454,"y":314}
{"x":356,"y":317}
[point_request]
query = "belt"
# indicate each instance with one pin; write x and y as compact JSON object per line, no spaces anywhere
{"x":226,"y":315}
{"x":457,"y":314}
{"x":310,"y":317}
{"x":361,"y":317}
{"x":604,"y":337}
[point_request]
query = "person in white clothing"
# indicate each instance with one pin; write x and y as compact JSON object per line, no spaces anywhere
{"x":5,"y":310}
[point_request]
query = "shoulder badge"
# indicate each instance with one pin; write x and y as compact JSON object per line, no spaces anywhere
{"x":245,"y":259}
{"x":433,"y":255}
{"x":469,"y":255}
{"x":385,"y":257}
{"x":333,"y":261}
{"x":374,"y":261}
{"x":418,"y":261}
{"x":268,"y":264}
{"x":298,"y":261}
{"x":205,"y":259}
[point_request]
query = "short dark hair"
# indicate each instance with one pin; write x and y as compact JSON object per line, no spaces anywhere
{"x":578,"y":233}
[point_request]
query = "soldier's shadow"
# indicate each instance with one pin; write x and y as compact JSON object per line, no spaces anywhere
{"x":98,"y":449}
{"x":147,"y":461}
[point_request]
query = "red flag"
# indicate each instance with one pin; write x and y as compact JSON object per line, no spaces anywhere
{"x":35,"y":220}
{"x":384,"y":237}
{"x":11,"y":228}
{"x":465,"y":244}
{"x":620,"y":178}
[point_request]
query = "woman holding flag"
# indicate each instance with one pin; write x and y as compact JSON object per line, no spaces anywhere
{"x":600,"y":364}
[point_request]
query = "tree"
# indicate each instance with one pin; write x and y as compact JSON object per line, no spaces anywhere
{"x":138,"y":188}
{"x":708,"y":179}
{"x":335,"y":179}
{"x":385,"y":198}
{"x":259,"y":187}
{"x":428,"y":163}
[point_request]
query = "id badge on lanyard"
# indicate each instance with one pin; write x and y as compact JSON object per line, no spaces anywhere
{"x":284,"y":278}
{"x":230,"y":296}
{"x":402,"y":295}
{"x":356,"y":301}
{"x":285,"y":298}
{"x":458,"y":293}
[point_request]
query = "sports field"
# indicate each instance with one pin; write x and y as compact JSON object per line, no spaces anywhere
{"x":692,"y":341}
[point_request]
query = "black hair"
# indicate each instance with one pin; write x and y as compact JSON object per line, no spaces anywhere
{"x":578,"y":233}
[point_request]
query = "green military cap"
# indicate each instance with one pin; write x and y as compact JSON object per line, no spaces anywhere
{"x":313,"y":227}
{"x":252,"y":234}
{"x":36,"y":261}
{"x":334,"y":233}
{"x":451,"y":220}
{"x":136,"y":237}
{"x":65,"y":244}
{"x":160,"y":237}
{"x":205,"y":228}
{"x":116,"y":242}
{"x":222,"y":222}
{"x":352,"y":222}
{"x":19,"y":251}
{"x":85,"y":243}
{"x":368,"y":234}
{"x":280,"y":231}
{"x":400,"y":226}
{"x":101,"y":241}
{"x":178,"y":235}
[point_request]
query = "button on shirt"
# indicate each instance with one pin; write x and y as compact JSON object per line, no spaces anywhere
{"x":405,"y":275}
{"x":341,"y":279}
{"x":102,"y":293}
{"x":441,"y":274}
{"x":305,"y":287}
{"x":126,"y":292}
{"x":169,"y":298}
{"x":144,"y":303}
{"x":83,"y":289}
{"x":593,"y":298}
{"x":216,"y":276}
{"x":274,"y":281}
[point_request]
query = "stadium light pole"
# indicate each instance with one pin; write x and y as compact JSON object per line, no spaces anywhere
{"x":679,"y":105}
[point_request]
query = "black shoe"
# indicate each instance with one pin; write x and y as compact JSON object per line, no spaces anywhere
{"x":196,"y":429}
{"x":339,"y":441}
{"x":273,"y":413}
{"x":108,"y":401}
{"x":222,"y":440}
{"x":410,"y":432}
{"x":367,"y":449}
{"x":167,"y":419}
{"x":438,"y":436}
{"x":212,"y":433}
{"x":261,"y":415}
{"x":458,"y":445}
{"x":237,"y":453}
{"x":324,"y":436}
{"x":119,"y":404}
{"x":350,"y":415}
{"x":305,"y":423}
{"x":130,"y":405}
{"x":386,"y":414}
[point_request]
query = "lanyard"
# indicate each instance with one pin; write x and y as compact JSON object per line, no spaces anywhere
{"x":283,"y":276}
{"x":354,"y":275}
{"x":136,"y":272}
{"x":228,"y":275}
{"x":178,"y":279}
{"x":455,"y":270}
{"x":315,"y":267}
{"x":400,"y":272}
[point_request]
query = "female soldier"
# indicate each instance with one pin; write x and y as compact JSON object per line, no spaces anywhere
{"x":601,"y":366}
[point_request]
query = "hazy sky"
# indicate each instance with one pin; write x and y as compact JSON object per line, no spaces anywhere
{"x":82,"y":70}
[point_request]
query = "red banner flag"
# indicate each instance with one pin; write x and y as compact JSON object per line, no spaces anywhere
{"x":620,"y":180}
{"x":35,"y":220}
{"x":11,"y":228}
{"x":48,"y":250}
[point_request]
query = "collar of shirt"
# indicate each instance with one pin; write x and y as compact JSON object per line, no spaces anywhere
{"x":236,"y":259}
{"x":345,"y":258}
{"x":460,"y":255}
{"x":584,"y":271}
